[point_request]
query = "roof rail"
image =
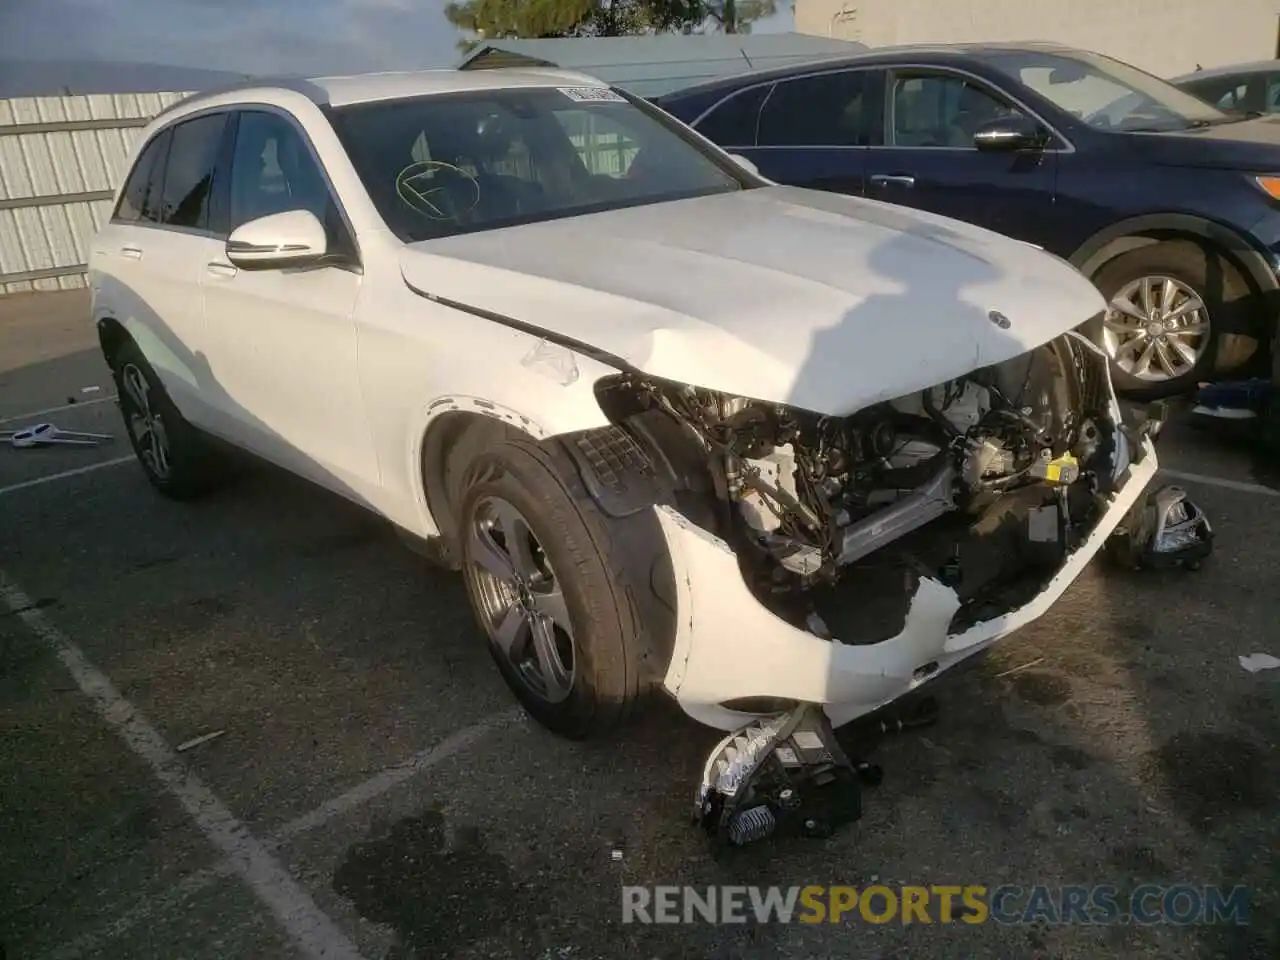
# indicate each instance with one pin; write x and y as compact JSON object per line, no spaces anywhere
{"x":312,"y":91}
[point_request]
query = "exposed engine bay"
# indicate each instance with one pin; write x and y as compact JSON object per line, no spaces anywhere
{"x":984,"y":483}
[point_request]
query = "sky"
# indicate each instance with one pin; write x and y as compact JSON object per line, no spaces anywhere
{"x":245,"y":36}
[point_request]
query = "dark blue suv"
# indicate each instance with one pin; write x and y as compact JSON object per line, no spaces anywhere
{"x":1170,"y":205}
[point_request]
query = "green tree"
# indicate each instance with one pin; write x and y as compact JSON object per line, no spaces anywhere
{"x":509,"y":19}
{"x":737,"y":16}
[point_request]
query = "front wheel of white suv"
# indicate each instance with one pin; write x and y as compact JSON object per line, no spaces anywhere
{"x":538,"y":564}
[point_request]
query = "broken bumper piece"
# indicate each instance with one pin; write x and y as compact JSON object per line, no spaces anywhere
{"x":1163,"y":530}
{"x":728,"y":647}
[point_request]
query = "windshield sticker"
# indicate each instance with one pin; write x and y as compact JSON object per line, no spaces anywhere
{"x":592,"y":95}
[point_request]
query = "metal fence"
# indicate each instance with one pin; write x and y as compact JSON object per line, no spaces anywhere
{"x":60,"y":161}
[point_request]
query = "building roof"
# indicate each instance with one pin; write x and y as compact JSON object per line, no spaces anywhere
{"x":52,"y":78}
{"x":654,"y":65}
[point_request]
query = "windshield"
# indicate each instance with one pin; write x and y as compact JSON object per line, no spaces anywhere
{"x":1106,"y":94}
{"x":441,"y":165}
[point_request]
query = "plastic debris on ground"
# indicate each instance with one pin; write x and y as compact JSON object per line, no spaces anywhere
{"x":48,"y":435}
{"x":1257,"y":662}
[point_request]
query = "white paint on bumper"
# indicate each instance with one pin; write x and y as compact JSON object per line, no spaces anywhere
{"x":728,"y":646}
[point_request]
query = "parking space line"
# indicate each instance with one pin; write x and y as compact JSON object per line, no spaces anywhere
{"x":313,"y":932}
{"x":394,"y":776}
{"x":1223,"y":482}
{"x":66,"y":406}
{"x":74,"y":472}
{"x":362,"y":793}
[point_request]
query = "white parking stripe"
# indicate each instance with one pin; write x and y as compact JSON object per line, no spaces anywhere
{"x":74,"y":472}
{"x":313,"y":932}
{"x":47,"y":410}
{"x":394,"y":776}
{"x":201,"y":880}
{"x":1223,"y":482}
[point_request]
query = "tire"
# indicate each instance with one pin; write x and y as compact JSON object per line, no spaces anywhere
{"x":1195,"y":269}
{"x":571,"y":539}
{"x":187,"y":466}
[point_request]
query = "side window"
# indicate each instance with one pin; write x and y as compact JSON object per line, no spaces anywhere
{"x":140,"y":199}
{"x":733,"y":122}
{"x":272,"y":171}
{"x":1273,"y":93}
{"x":940,"y":110}
{"x":828,"y":110}
{"x":188,"y":178}
{"x":1225,"y":93}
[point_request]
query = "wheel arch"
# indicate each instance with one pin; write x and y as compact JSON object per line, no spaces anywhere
{"x":1136,"y":232}
{"x":620,"y":473}
{"x":112,"y":335}
{"x":449,"y":422}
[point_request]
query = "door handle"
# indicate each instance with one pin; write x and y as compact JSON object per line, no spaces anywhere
{"x":884,"y":179}
{"x":132,"y":252}
{"x":221,"y":269}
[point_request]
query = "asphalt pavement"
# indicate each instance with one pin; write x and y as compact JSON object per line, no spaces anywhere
{"x":369,"y":790}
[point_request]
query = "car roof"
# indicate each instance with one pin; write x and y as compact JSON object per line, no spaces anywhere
{"x":941,"y":52}
{"x":1255,"y":66}
{"x":341,"y":91}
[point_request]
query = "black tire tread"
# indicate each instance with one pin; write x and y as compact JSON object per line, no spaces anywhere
{"x":571,"y":513}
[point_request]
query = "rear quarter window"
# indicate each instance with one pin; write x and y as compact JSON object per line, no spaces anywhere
{"x":732,"y":123}
{"x":140,"y":199}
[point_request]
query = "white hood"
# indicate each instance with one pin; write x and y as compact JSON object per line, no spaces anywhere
{"x":823,"y":302}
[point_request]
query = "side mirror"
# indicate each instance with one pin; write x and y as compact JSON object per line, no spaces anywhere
{"x":293,"y":238}
{"x":745,"y":164}
{"x":1009,"y":133}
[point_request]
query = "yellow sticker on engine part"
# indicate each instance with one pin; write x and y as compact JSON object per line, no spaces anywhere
{"x":1062,"y":470}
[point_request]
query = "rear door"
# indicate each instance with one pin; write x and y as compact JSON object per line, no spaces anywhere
{"x":162,"y":237}
{"x":813,"y":131}
{"x":925,"y":156}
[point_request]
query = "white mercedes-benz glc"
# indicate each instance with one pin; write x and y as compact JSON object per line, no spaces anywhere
{"x":679,"y":427}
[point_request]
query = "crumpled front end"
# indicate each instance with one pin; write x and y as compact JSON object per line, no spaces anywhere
{"x":845,"y":561}
{"x":730,"y":650}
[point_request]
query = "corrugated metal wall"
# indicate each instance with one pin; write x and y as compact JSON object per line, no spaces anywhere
{"x":61,"y":159}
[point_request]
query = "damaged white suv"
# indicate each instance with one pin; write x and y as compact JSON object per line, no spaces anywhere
{"x":679,"y":427}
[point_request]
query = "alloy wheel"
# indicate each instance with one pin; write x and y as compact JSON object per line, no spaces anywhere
{"x":1156,"y":328}
{"x":520,"y":599}
{"x":146,"y":425}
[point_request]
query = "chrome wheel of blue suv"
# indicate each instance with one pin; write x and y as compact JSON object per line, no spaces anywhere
{"x":1172,"y":307}
{"x":1157,"y":328}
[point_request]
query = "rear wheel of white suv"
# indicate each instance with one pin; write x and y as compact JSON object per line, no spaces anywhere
{"x":1174,"y":310}
{"x":538,"y":566}
{"x":178,"y":460}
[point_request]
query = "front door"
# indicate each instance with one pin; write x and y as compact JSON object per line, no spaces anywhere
{"x":926,"y":158}
{"x":282,"y":342}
